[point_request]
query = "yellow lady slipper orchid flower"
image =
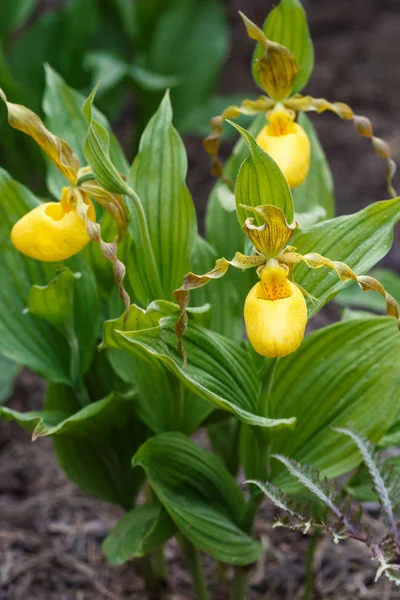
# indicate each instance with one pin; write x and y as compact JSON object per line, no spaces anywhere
{"x":53,"y":231}
{"x":277,"y":70}
{"x":287,"y":143}
{"x":275,"y":313}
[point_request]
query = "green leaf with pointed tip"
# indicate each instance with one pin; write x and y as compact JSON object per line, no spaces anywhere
{"x":97,"y":151}
{"x":218,"y":369}
{"x":315,"y":194}
{"x":344,"y":374}
{"x":260,"y":181}
{"x":158,"y":176}
{"x":54,"y":301}
{"x":204,"y":501}
{"x":360,"y":240}
{"x":287,"y":25}
{"x":94,"y":445}
{"x":137,"y":533}
{"x":8,"y":372}
{"x":62,"y":106}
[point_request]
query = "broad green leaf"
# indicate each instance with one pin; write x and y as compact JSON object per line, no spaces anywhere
{"x":224,"y":437}
{"x":360,"y":240}
{"x":353,"y":295}
{"x":24,"y":338}
{"x":27,"y":339}
{"x":315,"y":194}
{"x":158,"y":177}
{"x":63,"y":106}
{"x":8,"y":372}
{"x":344,"y":374}
{"x":136,"y":533}
{"x":94,"y":445}
{"x":204,"y":501}
{"x":189,"y":40}
{"x":260,"y":181}
{"x":218,"y":369}
{"x":287,"y":25}
{"x":161,"y":403}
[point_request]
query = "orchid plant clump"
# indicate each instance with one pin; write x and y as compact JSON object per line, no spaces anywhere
{"x":95,"y":298}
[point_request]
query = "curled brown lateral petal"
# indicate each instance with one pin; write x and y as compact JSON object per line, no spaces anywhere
{"x":211,"y":143}
{"x":192,"y":281}
{"x":363,"y":127}
{"x":277,"y":67}
{"x":108,"y":249}
{"x":57,"y":149}
{"x":274,"y":234}
{"x":113,"y":204}
{"x":345,"y":273}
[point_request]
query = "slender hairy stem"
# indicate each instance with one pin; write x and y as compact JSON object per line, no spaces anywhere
{"x":159,"y":565}
{"x":152,"y":583}
{"x":239,"y":584}
{"x":308,"y":594}
{"x":193,"y":560}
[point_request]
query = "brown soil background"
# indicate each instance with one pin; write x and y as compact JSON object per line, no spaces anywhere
{"x":50,"y":533}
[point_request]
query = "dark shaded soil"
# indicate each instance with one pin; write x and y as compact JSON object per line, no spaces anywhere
{"x":50,"y":533}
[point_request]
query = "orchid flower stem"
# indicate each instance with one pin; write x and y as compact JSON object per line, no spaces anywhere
{"x":193,"y":560}
{"x":239,"y":584}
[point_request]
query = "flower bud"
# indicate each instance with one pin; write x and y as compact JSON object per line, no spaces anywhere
{"x":275,"y":314}
{"x":287,"y":143}
{"x":52,"y":231}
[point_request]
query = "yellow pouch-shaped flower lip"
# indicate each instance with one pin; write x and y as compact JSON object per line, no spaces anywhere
{"x":52,"y":231}
{"x":288,"y":144}
{"x":275,"y":314}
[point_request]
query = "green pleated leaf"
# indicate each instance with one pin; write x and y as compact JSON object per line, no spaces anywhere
{"x":8,"y":372}
{"x":24,"y":338}
{"x":94,"y":445}
{"x":218,"y":370}
{"x":136,"y":533}
{"x":161,"y":402}
{"x":343,"y":375}
{"x":260,"y":181}
{"x":158,"y":176}
{"x":360,"y":240}
{"x":314,"y":198}
{"x":287,"y":25}
{"x":62,"y":106}
{"x":353,"y":295}
{"x":200,"y":496}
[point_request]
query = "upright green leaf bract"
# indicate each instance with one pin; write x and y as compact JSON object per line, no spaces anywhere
{"x":260,"y":181}
{"x":158,"y":176}
{"x":204,"y":501}
{"x":343,"y":374}
{"x":287,"y":25}
{"x":360,"y":240}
